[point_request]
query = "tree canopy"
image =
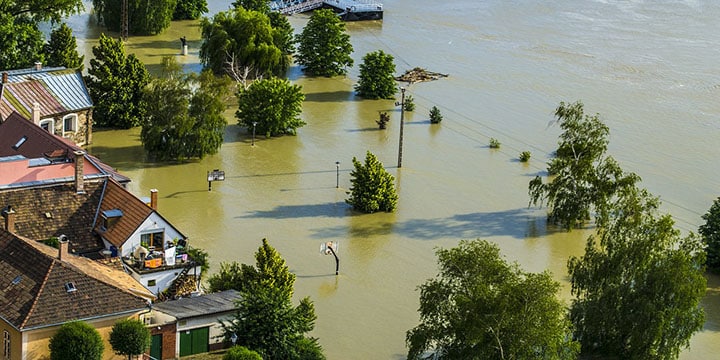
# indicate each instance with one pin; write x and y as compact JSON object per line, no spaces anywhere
{"x":710,"y":232}
{"x":61,"y":50}
{"x":373,"y":188}
{"x":116,"y":82}
{"x":184,"y":121}
{"x":324,"y":47}
{"x":583,"y":177}
{"x":144,"y":17}
{"x":256,"y":5}
{"x":274,"y":105}
{"x":481,"y":307}
{"x":189,"y":9}
{"x":76,"y":340}
{"x":241,"y":38}
{"x":265,"y":320}
{"x":638,"y":286}
{"x":377,"y":79}
{"x":45,"y":10}
{"x":130,"y":337}
{"x":241,"y":353}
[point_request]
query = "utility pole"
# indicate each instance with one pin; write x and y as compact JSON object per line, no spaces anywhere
{"x":402,"y":124}
{"x":124,"y":26}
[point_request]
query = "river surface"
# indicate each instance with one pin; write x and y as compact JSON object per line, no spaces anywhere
{"x":649,"y":68}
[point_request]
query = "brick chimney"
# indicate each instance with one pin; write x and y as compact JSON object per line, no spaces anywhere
{"x":79,"y":174}
{"x":153,"y":198}
{"x":9,"y":215}
{"x":4,"y":77}
{"x":36,"y":113}
{"x":63,"y":247}
{"x":38,"y":66}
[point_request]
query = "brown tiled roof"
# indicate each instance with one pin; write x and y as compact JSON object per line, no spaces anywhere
{"x":39,"y":143}
{"x":51,"y":211}
{"x":134,"y":212}
{"x":33,"y":290}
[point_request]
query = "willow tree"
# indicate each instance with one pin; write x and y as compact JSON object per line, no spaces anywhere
{"x":584,"y":178}
{"x":144,"y":17}
{"x":639,"y":284}
{"x":324,"y":47}
{"x":373,"y":188}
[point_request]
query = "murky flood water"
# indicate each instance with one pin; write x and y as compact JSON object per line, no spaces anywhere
{"x":648,"y":68}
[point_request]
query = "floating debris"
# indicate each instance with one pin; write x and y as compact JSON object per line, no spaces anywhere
{"x":419,"y":74}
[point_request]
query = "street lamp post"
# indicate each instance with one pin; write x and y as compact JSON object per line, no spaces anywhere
{"x":337,"y":174}
{"x":253,"y":139}
{"x":402,"y":124}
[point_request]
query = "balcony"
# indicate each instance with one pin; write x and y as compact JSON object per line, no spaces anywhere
{"x":155,"y":261}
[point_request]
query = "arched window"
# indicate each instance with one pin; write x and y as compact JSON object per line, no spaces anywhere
{"x":70,"y":123}
{"x":48,"y":125}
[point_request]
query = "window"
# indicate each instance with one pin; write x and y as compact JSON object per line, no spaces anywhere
{"x":6,"y":345}
{"x":70,"y":287}
{"x":19,"y":143}
{"x":70,"y":123}
{"x":151,"y":282}
{"x":153,"y":239}
{"x":48,"y":125}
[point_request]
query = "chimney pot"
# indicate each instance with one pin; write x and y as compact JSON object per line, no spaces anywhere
{"x":63,"y":247}
{"x":36,"y":113}
{"x":38,"y":66}
{"x":79,"y":174}
{"x":4,"y":77}
{"x":153,"y":198}
{"x":9,"y":214}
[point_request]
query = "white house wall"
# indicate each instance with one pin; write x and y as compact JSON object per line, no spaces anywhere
{"x":153,"y":223}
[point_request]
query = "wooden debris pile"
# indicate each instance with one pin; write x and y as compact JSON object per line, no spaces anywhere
{"x":419,"y":74}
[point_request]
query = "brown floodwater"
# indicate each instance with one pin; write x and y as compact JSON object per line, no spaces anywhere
{"x":648,"y":69}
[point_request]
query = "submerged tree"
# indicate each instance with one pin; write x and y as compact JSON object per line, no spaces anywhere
{"x":376,"y":77}
{"x":265,"y":320}
{"x":189,"y":9}
{"x":638,"y":286}
{"x":116,"y":82}
{"x":324,"y":47}
{"x":481,"y":307}
{"x":185,"y":114}
{"x":61,"y":50}
{"x":272,"y":106}
{"x":373,"y":188}
{"x":710,"y":232}
{"x":585,"y":178}
{"x":144,"y":17}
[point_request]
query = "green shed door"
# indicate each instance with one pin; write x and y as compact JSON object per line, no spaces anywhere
{"x":194,"y":341}
{"x":156,"y":347}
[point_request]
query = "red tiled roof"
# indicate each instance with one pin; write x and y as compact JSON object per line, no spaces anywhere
{"x":33,"y":292}
{"x":134,"y":212}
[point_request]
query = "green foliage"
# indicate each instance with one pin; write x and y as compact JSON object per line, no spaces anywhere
{"x":200,"y":257}
{"x":76,"y":340}
{"x":584,"y":178}
{"x":262,"y":6}
{"x":639,"y":284}
{"x":494,"y":143}
{"x":61,"y":50}
{"x":435,"y":116}
{"x":384,"y":119}
{"x":45,"y":10}
{"x":245,"y":39}
{"x":376,"y":77}
{"x":22,"y":42}
{"x":323,"y":46}
{"x":265,"y":320}
{"x":274,"y":104}
{"x":241,"y":353}
{"x":230,"y":276}
{"x":409,"y":103}
{"x":373,"y":188}
{"x":183,"y":123}
{"x":116,"y":82}
{"x":130,"y":337}
{"x":710,"y":232}
{"x":144,"y":17}
{"x":525,"y":156}
{"x":189,"y":9}
{"x":53,"y":241}
{"x":481,"y":307}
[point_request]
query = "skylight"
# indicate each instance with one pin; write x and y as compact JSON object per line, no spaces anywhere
{"x":17,"y":280}
{"x":70,"y":287}
{"x":19,"y":143}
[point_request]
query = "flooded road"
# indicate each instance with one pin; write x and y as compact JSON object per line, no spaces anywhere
{"x":649,"y":69}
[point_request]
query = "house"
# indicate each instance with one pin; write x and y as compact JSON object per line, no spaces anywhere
{"x":52,"y":189}
{"x":42,"y":288}
{"x":190,"y":325}
{"x":55,"y":99}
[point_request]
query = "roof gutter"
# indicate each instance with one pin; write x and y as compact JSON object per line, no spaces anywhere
{"x":87,"y":319}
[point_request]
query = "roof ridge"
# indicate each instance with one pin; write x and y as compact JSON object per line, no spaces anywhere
{"x":40,"y":290}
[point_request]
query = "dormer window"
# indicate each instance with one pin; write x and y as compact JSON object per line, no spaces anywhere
{"x":70,"y":287}
{"x":110,"y":217}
